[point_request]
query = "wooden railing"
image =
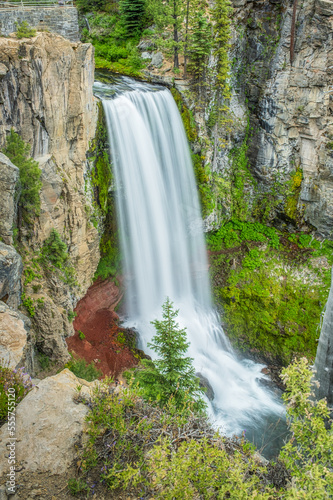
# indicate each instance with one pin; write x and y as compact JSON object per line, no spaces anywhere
{"x":21,"y":4}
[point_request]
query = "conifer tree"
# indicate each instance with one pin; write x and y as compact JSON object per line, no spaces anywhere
{"x":172,"y":373}
{"x":133,"y":14}
{"x":222,"y":30}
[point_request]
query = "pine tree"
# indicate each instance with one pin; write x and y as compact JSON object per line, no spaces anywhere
{"x":222,"y":30}
{"x":169,"y":15}
{"x":133,"y":14}
{"x":172,"y":374}
{"x":29,"y":183}
{"x":200,"y":44}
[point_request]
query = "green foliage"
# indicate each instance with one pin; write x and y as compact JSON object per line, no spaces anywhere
{"x":309,"y":452}
{"x":82,"y":369}
{"x":200,"y":44}
{"x":200,"y":470}
{"x":81,"y":335}
{"x":55,"y":250}
{"x":242,"y":182}
{"x":187,"y":116}
{"x":235,"y":232}
{"x":133,"y":13}
{"x":102,"y":178}
{"x":258,"y":279}
{"x":43,"y":360}
{"x":172,"y":373}
{"x":115,"y":45}
{"x":15,"y":380}
{"x":28,"y":304}
{"x":71,"y":316}
{"x":23,"y":30}
{"x":29,"y":184}
{"x":222,"y":30}
{"x":77,"y":486}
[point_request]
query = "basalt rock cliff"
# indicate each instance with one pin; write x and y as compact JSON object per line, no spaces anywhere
{"x":46,"y":97}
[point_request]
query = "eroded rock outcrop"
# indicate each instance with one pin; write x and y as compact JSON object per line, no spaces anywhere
{"x":14,"y":336}
{"x":11,"y":267}
{"x":9,"y":175}
{"x":48,"y":425}
{"x":290,"y":102}
{"x":46,"y":97}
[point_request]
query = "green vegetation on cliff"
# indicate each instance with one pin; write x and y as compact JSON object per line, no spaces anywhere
{"x":29,"y":182}
{"x":271,"y":286}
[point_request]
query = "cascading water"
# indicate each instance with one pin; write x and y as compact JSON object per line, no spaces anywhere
{"x":164,"y":248}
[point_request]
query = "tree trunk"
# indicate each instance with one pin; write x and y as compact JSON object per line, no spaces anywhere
{"x":175,"y":35}
{"x":324,"y":357}
{"x":186,"y":37}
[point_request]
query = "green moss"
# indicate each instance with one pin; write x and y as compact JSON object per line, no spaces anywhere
{"x":258,"y":276}
{"x":187,"y":116}
{"x":292,"y":200}
{"x":102,"y":179}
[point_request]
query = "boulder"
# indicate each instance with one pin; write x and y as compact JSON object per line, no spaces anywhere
{"x":9,"y":175}
{"x":14,"y":328}
{"x":157,"y":59}
{"x":49,"y":426}
{"x":51,"y":335}
{"x":10,"y":276}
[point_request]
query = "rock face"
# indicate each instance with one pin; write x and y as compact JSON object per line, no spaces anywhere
{"x":50,"y":333}
{"x":291,"y":102}
{"x":324,"y":357}
{"x":13,"y":337}
{"x":9,"y":175}
{"x":46,"y":96}
{"x":48,"y":425}
{"x":10,"y":276}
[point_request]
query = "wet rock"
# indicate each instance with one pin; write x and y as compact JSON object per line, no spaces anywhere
{"x":9,"y":175}
{"x":10,"y":276}
{"x":3,"y":70}
{"x":146,"y":45}
{"x":157,"y":59}
{"x":146,"y":55}
{"x":204,"y":383}
{"x":49,"y":425}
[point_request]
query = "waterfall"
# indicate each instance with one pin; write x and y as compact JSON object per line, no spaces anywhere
{"x":164,"y":249}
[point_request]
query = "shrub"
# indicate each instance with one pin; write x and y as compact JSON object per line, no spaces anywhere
{"x":12,"y":379}
{"x":82,"y":369}
{"x":23,"y":30}
{"x":81,"y":335}
{"x":55,"y":249}
{"x":309,"y":453}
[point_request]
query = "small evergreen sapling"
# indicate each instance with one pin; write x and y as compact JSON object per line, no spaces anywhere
{"x":172,"y":374}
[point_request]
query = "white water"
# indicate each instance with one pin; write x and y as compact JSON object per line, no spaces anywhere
{"x":164,"y":248}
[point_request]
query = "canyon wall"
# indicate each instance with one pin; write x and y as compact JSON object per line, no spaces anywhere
{"x":46,"y":97}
